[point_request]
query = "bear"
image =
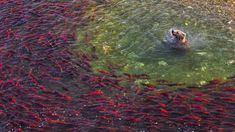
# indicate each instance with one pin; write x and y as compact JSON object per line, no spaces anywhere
{"x":176,"y":39}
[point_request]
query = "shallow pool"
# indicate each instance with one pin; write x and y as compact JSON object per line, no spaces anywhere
{"x":130,"y":34}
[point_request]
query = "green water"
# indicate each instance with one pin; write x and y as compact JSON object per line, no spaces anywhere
{"x":129,"y":33}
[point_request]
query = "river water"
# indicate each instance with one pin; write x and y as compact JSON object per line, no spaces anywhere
{"x":54,"y":78}
{"x":130,"y":33}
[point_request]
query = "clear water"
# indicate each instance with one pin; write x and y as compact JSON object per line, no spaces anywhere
{"x":130,"y":34}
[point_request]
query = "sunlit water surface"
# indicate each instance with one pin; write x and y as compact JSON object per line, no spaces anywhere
{"x":130,"y":34}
